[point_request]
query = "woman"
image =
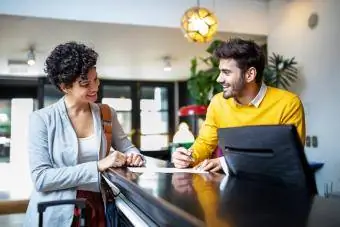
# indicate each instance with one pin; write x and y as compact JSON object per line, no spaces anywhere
{"x":67,"y":145}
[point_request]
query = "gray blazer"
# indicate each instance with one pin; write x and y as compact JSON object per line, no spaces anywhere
{"x":53,"y":152}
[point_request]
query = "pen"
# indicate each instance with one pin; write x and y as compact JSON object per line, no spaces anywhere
{"x":191,"y":155}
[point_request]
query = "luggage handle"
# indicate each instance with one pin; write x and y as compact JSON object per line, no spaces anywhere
{"x":80,"y":203}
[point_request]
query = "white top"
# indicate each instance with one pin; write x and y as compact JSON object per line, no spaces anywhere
{"x":88,"y":151}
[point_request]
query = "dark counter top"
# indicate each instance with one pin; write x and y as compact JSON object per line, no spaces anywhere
{"x":186,"y":199}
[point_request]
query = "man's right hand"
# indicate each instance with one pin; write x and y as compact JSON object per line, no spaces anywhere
{"x":182,"y":158}
{"x":182,"y":182}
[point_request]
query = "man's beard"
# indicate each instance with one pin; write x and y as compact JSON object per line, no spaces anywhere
{"x":235,"y":89}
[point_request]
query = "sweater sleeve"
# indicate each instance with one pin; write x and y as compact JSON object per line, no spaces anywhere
{"x":294,"y":114}
{"x":207,"y":139}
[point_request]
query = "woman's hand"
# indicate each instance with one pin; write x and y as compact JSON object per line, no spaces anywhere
{"x":115,"y":159}
{"x":134,"y":159}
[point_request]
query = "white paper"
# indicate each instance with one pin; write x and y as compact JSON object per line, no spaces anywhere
{"x":224,"y":165}
{"x":163,"y":170}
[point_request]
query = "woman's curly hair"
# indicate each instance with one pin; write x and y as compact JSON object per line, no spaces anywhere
{"x":69,"y":61}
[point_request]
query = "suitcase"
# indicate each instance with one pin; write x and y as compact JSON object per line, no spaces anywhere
{"x":79,"y":203}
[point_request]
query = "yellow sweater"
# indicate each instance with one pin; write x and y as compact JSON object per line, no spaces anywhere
{"x":277,"y":107}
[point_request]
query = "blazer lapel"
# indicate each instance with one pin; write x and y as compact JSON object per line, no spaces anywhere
{"x":69,"y":130}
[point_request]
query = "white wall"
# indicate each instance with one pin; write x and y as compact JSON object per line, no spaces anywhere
{"x":317,"y":52}
{"x":237,"y":16}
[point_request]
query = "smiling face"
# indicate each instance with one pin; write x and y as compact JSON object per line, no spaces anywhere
{"x":231,"y":78}
{"x":84,"y":91}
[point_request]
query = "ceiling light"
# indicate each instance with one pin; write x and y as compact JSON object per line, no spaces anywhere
{"x":167,"y":63}
{"x":199,"y":24}
{"x":31,"y":57}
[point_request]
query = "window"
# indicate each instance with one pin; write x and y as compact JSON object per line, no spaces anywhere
{"x":119,"y":98}
{"x":51,"y":94}
{"x":144,"y":109}
{"x":5,"y":129}
{"x":154,"y":118}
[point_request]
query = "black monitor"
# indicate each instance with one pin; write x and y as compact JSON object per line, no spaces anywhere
{"x":270,"y":153}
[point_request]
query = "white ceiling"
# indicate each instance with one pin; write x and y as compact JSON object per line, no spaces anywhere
{"x":126,"y":51}
{"x":237,"y":16}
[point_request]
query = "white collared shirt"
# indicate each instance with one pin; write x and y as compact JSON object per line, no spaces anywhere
{"x":258,"y":98}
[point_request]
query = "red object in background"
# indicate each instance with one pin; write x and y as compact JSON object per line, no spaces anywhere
{"x":192,"y":115}
{"x":192,"y":110}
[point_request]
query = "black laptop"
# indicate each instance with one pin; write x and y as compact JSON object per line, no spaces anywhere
{"x":269,"y":153}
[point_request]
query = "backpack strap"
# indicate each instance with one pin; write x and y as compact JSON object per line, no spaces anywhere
{"x":106,"y":118}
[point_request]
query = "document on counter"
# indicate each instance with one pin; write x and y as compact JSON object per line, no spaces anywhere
{"x":164,"y":170}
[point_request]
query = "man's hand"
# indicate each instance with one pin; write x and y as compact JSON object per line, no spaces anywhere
{"x":134,"y":159}
{"x":212,"y":165}
{"x":182,"y":158}
{"x":182,"y":183}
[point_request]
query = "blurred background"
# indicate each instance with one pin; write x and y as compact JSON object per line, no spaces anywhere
{"x":154,"y":57}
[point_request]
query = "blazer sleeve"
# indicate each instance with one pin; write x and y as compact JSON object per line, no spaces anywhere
{"x":44,"y":175}
{"x":120,"y":141}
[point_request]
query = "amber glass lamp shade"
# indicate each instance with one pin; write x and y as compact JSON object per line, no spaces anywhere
{"x":199,"y":24}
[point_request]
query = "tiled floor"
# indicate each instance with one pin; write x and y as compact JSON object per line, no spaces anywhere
{"x":12,"y":220}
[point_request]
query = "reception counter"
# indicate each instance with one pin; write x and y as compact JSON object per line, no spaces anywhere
{"x":187,"y":199}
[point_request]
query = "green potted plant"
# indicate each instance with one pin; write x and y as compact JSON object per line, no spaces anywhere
{"x":202,"y":83}
{"x":280,"y":72}
{"x":202,"y":86}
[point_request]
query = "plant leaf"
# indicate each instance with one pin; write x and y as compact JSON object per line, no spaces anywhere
{"x":280,"y":71}
{"x":213,"y":45}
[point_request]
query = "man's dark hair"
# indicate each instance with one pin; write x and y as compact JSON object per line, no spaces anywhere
{"x":69,"y":61}
{"x":245,"y":52}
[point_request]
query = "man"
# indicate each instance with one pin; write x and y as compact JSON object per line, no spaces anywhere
{"x":245,"y":101}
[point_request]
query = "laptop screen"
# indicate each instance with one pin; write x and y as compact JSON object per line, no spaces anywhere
{"x":270,"y":153}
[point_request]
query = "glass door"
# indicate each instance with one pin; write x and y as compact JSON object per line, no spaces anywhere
{"x":5,"y":129}
{"x":119,"y":98}
{"x":154,"y":118}
{"x":145,"y":111}
{"x":18,"y":99}
{"x":51,"y":95}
